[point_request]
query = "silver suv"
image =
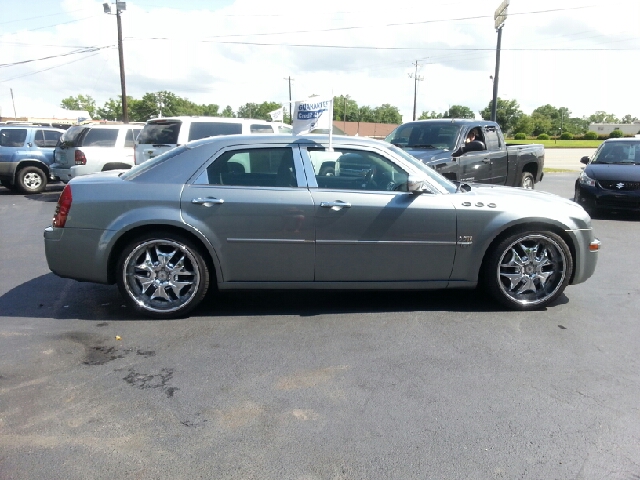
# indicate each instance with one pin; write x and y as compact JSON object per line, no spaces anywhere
{"x":26,"y":153}
{"x":85,"y":149}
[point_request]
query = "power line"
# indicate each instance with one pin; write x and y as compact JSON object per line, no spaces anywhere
{"x":76,"y":52}
{"x":50,"y":68}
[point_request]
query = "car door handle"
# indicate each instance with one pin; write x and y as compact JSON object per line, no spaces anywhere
{"x":486,"y":160}
{"x":207,"y":202}
{"x":337,"y":205}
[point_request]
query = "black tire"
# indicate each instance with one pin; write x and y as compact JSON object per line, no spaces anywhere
{"x":578,"y":199}
{"x":31,"y":180}
{"x":162,"y":275}
{"x":528,"y":270}
{"x":527,"y":181}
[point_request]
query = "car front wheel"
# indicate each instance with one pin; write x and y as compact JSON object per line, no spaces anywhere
{"x":32,"y":180}
{"x":528,"y":270}
{"x":162,"y":275}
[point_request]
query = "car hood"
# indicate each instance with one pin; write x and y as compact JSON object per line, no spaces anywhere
{"x":603,"y":171}
{"x":429,"y":155}
{"x":528,"y":202}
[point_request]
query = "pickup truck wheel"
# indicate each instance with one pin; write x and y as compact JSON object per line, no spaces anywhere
{"x":527,"y":181}
{"x":162,"y":275}
{"x":31,"y":180}
{"x":528,"y":270}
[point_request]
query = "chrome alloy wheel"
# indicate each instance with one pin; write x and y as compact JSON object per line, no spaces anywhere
{"x":161,"y":275}
{"x":532,"y":269}
{"x":32,"y":180}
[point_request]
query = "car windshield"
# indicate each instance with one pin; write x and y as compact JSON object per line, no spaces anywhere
{"x":623,"y":152}
{"x":434,"y":176}
{"x":425,"y":135}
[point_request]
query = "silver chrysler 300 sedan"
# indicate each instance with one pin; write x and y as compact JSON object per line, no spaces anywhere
{"x":255,"y":212}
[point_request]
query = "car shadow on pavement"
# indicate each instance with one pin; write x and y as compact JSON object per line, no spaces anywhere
{"x":49,"y":296}
{"x":51,"y":194}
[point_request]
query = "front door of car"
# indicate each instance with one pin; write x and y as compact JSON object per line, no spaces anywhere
{"x":367,"y":230}
{"x":253,"y":206}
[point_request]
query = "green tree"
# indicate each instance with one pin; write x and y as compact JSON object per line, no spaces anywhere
{"x":541,"y":123}
{"x":429,"y":115}
{"x":366,"y":114}
{"x":80,"y":102}
{"x":459,"y":111}
{"x":253,"y":110}
{"x":603,"y":117}
{"x":387,"y":114}
{"x":112,"y":109}
{"x":507,"y":113}
{"x":524,"y":124}
{"x":228,"y":112}
{"x":628,"y":119}
{"x":345,"y":108}
{"x":210,"y":110}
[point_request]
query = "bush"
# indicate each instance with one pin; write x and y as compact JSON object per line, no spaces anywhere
{"x":543,"y":136}
{"x":591,"y":136}
{"x":617,"y":133}
{"x":566,"y":136}
{"x":520,"y":136}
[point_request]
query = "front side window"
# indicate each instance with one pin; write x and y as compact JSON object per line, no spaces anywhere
{"x":100,"y":137}
{"x":200,"y":130}
{"x":254,"y":167}
{"x":348,"y":169}
{"x":13,"y":137}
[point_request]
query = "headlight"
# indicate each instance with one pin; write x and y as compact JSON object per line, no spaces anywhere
{"x":586,"y":180}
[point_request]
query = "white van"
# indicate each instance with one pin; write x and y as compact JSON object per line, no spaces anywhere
{"x":162,"y":134}
{"x":85,"y":149}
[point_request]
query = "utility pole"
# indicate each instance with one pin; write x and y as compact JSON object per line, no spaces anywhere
{"x":120,"y":6}
{"x":344,"y":112}
{"x":15,"y":115}
{"x":416,"y":78}
{"x":500,"y":16}
{"x":290,"y":118}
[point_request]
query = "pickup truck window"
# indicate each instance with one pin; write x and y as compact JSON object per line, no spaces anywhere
{"x":13,"y":137}
{"x":491,"y":139}
{"x":440,"y":136}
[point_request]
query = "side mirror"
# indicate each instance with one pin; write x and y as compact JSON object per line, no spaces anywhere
{"x":416,"y":184}
{"x":584,"y":160}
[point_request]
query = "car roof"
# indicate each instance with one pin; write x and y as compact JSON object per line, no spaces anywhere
{"x":454,"y":121}
{"x":209,"y":119}
{"x":223,"y":141}
{"x":625,"y":139}
{"x":112,"y":127}
{"x":13,"y":126}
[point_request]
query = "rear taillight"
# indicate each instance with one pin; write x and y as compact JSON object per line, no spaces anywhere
{"x":63,"y":207}
{"x":80,"y":158}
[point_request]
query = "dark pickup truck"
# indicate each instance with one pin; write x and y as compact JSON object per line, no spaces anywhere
{"x":444,"y":145}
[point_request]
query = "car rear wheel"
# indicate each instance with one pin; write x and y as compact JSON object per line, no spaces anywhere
{"x":32,"y":180}
{"x":528,"y":270}
{"x":527,"y":181}
{"x":163,"y":275}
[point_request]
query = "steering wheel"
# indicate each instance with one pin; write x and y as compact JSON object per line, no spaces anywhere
{"x":369,"y":183}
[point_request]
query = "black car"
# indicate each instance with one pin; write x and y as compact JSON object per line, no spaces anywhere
{"x":611,"y":179}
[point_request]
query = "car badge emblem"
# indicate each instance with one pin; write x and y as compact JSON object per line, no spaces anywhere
{"x":620,"y":185}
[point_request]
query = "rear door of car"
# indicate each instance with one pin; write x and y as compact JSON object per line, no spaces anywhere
{"x":369,"y":230}
{"x":45,"y":141}
{"x":498,"y":155}
{"x":254,"y":206}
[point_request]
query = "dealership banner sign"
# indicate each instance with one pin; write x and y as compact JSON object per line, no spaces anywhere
{"x":277,"y":115}
{"x":311,"y":114}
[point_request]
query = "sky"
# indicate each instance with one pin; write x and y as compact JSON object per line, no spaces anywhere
{"x":578,"y":54}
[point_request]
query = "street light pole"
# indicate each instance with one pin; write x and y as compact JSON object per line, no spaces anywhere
{"x":500,"y":16}
{"x":120,"y":6}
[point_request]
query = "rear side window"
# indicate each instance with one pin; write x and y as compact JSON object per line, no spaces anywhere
{"x":46,"y":138}
{"x":100,"y":137}
{"x":200,"y":130}
{"x":13,"y":137}
{"x":71,"y":136}
{"x":160,"y":133}
{"x":261,"y":129}
{"x":491,"y":139}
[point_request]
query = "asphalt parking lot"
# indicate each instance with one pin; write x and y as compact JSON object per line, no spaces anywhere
{"x":320,"y":385}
